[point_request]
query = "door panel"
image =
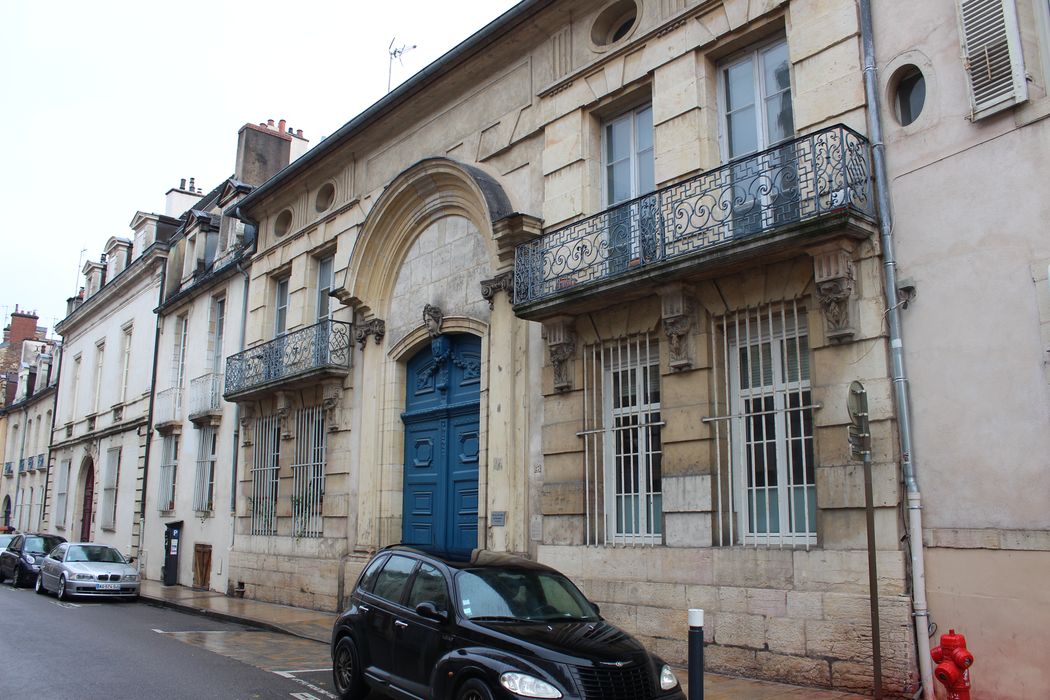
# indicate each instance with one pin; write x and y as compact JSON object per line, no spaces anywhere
{"x":442,"y":445}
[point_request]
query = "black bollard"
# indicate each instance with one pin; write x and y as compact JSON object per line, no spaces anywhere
{"x":696,"y":654}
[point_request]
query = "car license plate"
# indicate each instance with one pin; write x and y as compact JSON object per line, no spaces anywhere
{"x":107,"y":586}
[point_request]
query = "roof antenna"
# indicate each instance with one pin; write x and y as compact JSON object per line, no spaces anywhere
{"x":80,"y":264}
{"x":395,"y":53}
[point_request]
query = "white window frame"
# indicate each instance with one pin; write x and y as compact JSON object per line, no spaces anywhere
{"x":216,"y":335}
{"x":169,"y":466}
{"x":125,"y":363}
{"x":110,"y":478}
{"x":76,"y":387}
{"x":280,"y":306}
{"x":617,"y":456}
{"x":635,"y":154}
{"x":765,"y":334}
{"x":204,"y":484}
{"x":100,"y":358}
{"x":61,"y":493}
{"x":753,"y":54}
{"x":324,"y":286}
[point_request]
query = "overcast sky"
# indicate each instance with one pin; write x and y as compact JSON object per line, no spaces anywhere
{"x":106,"y":105}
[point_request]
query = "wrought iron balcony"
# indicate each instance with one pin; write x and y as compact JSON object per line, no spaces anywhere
{"x":167,"y":407}
{"x":30,"y":462}
{"x":820,"y":176}
{"x":22,"y":465}
{"x":320,"y":350}
{"x":8,"y":469}
{"x":40,"y":462}
{"x":206,"y":394}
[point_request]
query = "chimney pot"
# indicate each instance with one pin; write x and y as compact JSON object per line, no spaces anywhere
{"x":269,"y":123}
{"x":299,"y":133}
{"x":280,"y":125}
{"x":182,"y":184}
{"x":191,"y":185}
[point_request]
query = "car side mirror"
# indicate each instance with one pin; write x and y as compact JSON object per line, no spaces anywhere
{"x":597,"y":610}
{"x":430,"y":611}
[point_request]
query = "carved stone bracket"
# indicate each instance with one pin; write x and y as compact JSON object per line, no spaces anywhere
{"x":509,"y":232}
{"x":375,"y":327}
{"x":677,"y":312}
{"x":247,"y":418}
{"x":284,"y":414}
{"x":503,"y":282}
{"x":834,"y":279}
{"x":561,"y":342}
{"x":331,"y":399}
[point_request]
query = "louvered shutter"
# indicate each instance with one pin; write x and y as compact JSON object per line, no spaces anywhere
{"x":992,"y":51}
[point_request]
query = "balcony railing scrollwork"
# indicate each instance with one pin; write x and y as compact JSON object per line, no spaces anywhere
{"x":826,"y":172}
{"x":318,"y":349}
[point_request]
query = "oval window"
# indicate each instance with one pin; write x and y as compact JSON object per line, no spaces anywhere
{"x":283,"y":223}
{"x":325,"y":197}
{"x":614,"y":22}
{"x":910,"y":94}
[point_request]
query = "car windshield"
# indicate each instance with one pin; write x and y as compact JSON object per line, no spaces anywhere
{"x":521,"y":595}
{"x":94,"y":552}
{"x":41,"y":545}
{"x":5,"y":540}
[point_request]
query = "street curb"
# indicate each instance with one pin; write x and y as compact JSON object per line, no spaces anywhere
{"x":226,"y":617}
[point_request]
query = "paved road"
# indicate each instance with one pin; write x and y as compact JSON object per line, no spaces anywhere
{"x":116,"y":650}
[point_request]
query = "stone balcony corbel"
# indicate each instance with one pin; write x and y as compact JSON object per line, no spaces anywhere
{"x":561,"y":343}
{"x":834,"y":277}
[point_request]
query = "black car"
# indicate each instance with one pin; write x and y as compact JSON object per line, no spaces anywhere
{"x":21,"y":560}
{"x":487,"y":626}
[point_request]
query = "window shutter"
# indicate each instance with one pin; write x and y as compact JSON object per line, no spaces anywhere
{"x":992,"y":52}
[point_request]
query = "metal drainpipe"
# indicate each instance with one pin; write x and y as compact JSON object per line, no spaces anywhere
{"x":18,"y":464}
{"x":240,"y":348}
{"x":149,"y":412}
{"x":920,"y":610}
{"x":55,"y":355}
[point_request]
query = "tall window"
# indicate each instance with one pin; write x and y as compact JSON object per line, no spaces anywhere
{"x":264,"y":475}
{"x":76,"y":388}
{"x":218,"y":329}
{"x":627,"y":149}
{"x":125,"y":363}
{"x":31,"y":516}
{"x":767,"y":479}
{"x":204,"y":484}
{"x":37,"y":524}
{"x":100,"y":354}
{"x":178,"y":361}
{"x":280,"y":319}
{"x":623,"y":452}
{"x":308,"y":472}
{"x":61,"y":486}
{"x":110,"y":476}
{"x":755,"y":96}
{"x":325,"y":269}
{"x":168,"y":468}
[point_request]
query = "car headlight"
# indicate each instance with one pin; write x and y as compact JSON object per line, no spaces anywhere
{"x":131,"y":577}
{"x":29,"y":558}
{"x":529,"y":686}
{"x":667,"y":678}
{"x":83,"y":577}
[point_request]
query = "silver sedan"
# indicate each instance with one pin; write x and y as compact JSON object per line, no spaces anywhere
{"x":84,"y":568}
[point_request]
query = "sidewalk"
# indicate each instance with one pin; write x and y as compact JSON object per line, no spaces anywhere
{"x":317,"y":626}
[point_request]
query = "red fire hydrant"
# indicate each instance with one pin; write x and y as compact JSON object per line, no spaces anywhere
{"x":953,"y":661}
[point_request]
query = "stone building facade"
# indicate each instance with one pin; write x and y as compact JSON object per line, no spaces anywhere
{"x":193,"y":436}
{"x":650,"y":392}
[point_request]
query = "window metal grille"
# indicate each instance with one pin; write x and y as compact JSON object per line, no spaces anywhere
{"x":622,"y":448}
{"x":264,"y":475}
{"x":204,"y":483}
{"x":308,"y":472}
{"x":109,"y":488}
{"x":61,"y":488}
{"x":168,"y":469}
{"x":765,"y":483}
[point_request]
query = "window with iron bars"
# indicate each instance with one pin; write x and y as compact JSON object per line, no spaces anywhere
{"x":204,"y":483}
{"x":308,"y":472}
{"x":622,"y":448}
{"x":265,"y":479}
{"x":766,"y":477}
{"x":169,"y":462}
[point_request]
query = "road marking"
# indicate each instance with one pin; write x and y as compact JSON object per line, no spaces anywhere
{"x":311,"y":686}
{"x":288,"y":674}
{"x":192,"y":631}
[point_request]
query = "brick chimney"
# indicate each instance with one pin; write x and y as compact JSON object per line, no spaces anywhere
{"x":21,"y":329}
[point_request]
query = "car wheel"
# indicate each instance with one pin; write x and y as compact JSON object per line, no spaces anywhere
{"x":346,"y":670}
{"x":40,"y":584}
{"x":61,"y":593}
{"x":474,"y":689}
{"x":20,"y":578}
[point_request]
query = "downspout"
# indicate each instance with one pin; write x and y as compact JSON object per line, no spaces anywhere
{"x":59,"y":347}
{"x":920,"y":611}
{"x":18,"y":465}
{"x":251,"y":226}
{"x":149,"y":413}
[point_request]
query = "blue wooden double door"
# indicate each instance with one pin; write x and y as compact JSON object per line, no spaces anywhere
{"x":442,"y":444}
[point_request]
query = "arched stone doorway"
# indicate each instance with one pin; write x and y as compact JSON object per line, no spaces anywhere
{"x":85,"y":500}
{"x":442,"y":445}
